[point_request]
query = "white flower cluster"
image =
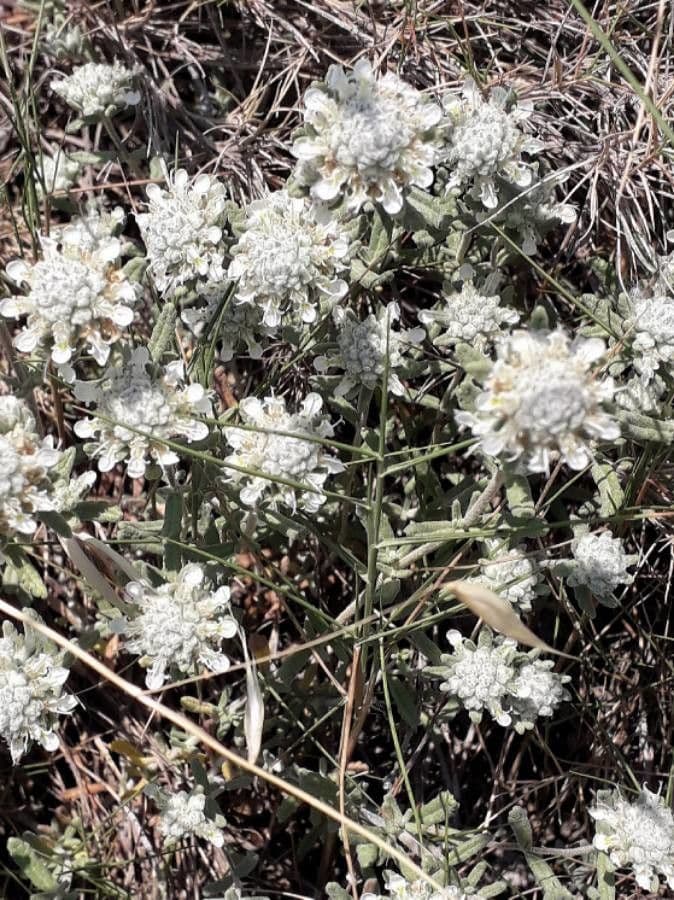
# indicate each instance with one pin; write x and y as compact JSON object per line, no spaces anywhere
{"x":180,"y":625}
{"x":512,"y":574}
{"x":514,"y":688}
{"x":399,"y":888}
{"x":183,"y":232}
{"x":273,"y":454}
{"x":366,"y":138}
{"x":31,"y":691}
{"x":485,"y":142}
{"x":541,"y":401}
{"x":638,"y":834}
{"x":98,"y":89}
{"x":288,"y":257}
{"x":366,"y":348}
{"x":651,"y":330}
{"x":183,"y":815}
{"x":600,"y":563}
{"x":471,"y":315}
{"x":59,"y":174}
{"x":78,"y":296}
{"x":128,"y":397}
{"x":25,"y":460}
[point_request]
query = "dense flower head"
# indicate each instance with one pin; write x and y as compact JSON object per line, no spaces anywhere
{"x":183,"y":232}
{"x":274,"y":454}
{"x":600,"y":563}
{"x":515,"y":688}
{"x":541,"y":401}
{"x":31,"y":690}
{"x":471,"y":315}
{"x":366,"y":138}
{"x":129,"y":397}
{"x":536,"y":691}
{"x":183,"y":815}
{"x":59,"y":174}
{"x":367,"y":349}
{"x":98,"y":89}
{"x":289,"y":256}
{"x":637,"y":834}
{"x":399,"y":888}
{"x":77,"y":294}
{"x":485,"y":143}
{"x":25,"y":460}
{"x":512,"y":574}
{"x":180,"y":625}
{"x":651,"y":330}
{"x":480,"y":675}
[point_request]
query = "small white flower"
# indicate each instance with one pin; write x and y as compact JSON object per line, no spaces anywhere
{"x":183,"y":815}
{"x":77,"y":294}
{"x":59,"y":174}
{"x":25,"y":460}
{"x":288,"y":258}
{"x":541,"y":401}
{"x":639,"y":835}
{"x":180,"y":625}
{"x":651,"y":329}
{"x":128,"y":397}
{"x":471,"y":315}
{"x":275,"y":455}
{"x":98,"y":89}
{"x":485,"y":142}
{"x":366,"y":138}
{"x":183,"y":232}
{"x":600,"y":563}
{"x":480,"y":676}
{"x":364,"y":347}
{"x":31,"y":691}
{"x":536,"y":691}
{"x":512,"y":574}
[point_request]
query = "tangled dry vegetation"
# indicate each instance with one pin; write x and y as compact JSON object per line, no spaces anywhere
{"x":338,"y":441}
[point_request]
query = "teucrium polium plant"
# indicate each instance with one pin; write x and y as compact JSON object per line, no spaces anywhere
{"x":305,"y":411}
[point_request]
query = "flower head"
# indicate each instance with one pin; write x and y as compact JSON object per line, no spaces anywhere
{"x":274,"y":454}
{"x":600,"y":563}
{"x":77,"y":295}
{"x":536,"y":691}
{"x":183,"y":232}
{"x":541,"y":401}
{"x":485,"y":142}
{"x":512,"y":574}
{"x":288,"y":257}
{"x":31,"y":690}
{"x":98,"y":89}
{"x":651,"y":327}
{"x":366,"y":138}
{"x":471,"y":315}
{"x":25,"y":460}
{"x":183,"y":815}
{"x":180,"y":625}
{"x":366,"y":349}
{"x":639,"y":835}
{"x":130,"y":400}
{"x":480,"y":675}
